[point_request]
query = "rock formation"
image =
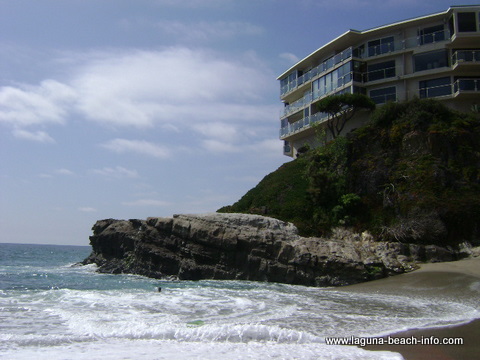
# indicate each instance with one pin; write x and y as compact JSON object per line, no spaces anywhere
{"x":249,"y":247}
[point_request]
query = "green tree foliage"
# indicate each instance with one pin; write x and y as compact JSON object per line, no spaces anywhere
{"x":282,"y":195}
{"x":342,"y":108}
{"x":412,"y":174}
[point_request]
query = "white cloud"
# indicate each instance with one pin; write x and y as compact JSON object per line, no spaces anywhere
{"x":64,"y":172}
{"x":117,"y":172}
{"x":39,"y":136}
{"x":208,"y":31}
{"x":174,"y":86}
{"x":33,"y":105}
{"x":45,"y":176}
{"x":177,"y":89}
{"x":147,"y":202}
{"x":217,"y":130}
{"x":87,"y":209}
{"x":141,"y":147}
{"x":291,"y":58}
{"x":218,"y":146}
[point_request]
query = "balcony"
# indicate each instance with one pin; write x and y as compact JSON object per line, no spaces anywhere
{"x":297,"y":105}
{"x":324,"y":67}
{"x":360,"y":53}
{"x":467,"y":86}
{"x":336,"y":87}
{"x":460,"y":86}
{"x":460,"y":57}
{"x":302,"y":124}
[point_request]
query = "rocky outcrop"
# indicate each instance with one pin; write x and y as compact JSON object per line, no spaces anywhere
{"x":248,"y":247}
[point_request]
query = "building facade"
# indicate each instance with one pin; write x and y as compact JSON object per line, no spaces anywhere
{"x":434,"y":56}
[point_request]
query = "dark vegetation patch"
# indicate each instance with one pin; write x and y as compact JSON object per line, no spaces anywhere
{"x":411,"y":175}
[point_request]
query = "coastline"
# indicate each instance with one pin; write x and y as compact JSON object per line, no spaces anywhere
{"x":449,"y":280}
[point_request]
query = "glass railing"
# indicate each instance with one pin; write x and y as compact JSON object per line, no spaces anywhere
{"x":382,"y":99}
{"x":302,"y":124}
{"x":435,"y":91}
{"x":297,"y":105}
{"x":310,"y":97}
{"x":386,"y":48}
{"x":455,"y":88}
{"x":462,"y":56}
{"x":459,"y":86}
{"x":463,"y":85}
{"x":433,"y":37}
{"x":322,"y":68}
{"x":379,"y":74}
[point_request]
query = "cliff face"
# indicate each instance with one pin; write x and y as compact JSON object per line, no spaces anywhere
{"x":248,"y":247}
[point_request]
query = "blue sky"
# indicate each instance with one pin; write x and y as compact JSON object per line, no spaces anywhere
{"x":129,"y":109}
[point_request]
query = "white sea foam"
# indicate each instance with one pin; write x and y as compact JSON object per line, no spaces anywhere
{"x":94,"y":316}
{"x":158,"y":350}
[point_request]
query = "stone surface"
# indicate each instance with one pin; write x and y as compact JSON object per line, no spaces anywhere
{"x":248,"y":247}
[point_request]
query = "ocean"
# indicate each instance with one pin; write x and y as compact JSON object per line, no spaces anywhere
{"x":51,"y":309}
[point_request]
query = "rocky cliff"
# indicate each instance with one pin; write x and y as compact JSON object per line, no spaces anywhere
{"x":249,"y":247}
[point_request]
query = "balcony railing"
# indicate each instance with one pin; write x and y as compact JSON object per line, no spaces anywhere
{"x":333,"y":87}
{"x":439,"y":36}
{"x":465,"y":56}
{"x":322,"y":68}
{"x":450,"y":89}
{"x":303,"y":124}
{"x":455,"y":88}
{"x":330,"y":89}
{"x":380,"y":74}
{"x":297,"y":105}
{"x":466,"y":85}
{"x":382,"y":99}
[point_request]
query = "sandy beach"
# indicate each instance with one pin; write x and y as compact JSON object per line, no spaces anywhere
{"x":450,"y":280}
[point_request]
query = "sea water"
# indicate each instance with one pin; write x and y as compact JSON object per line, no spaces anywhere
{"x":50,"y":309}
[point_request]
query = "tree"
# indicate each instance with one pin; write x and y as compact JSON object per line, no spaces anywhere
{"x":342,"y":108}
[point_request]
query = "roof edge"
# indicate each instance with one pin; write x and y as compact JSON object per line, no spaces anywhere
{"x":362,"y":32}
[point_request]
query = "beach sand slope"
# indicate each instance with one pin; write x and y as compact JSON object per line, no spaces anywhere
{"x":458,"y":281}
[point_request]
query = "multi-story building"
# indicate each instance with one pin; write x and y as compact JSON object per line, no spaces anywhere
{"x":433,"y":56}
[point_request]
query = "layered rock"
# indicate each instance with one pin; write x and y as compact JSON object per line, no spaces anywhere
{"x":248,"y":247}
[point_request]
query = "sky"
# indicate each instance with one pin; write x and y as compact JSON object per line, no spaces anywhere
{"x":135,"y":108}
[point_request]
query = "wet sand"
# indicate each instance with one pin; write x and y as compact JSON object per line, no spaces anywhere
{"x":457,"y":280}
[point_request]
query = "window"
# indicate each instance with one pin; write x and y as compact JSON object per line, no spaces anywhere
{"x":359,"y":68}
{"x":467,"y":21}
{"x":333,"y":80}
{"x":431,"y":34}
{"x":431,"y":60}
{"x":451,"y":27}
{"x":359,"y":52}
{"x":381,"y":70}
{"x":381,"y":96}
{"x":381,"y":46}
{"x":435,"y":87}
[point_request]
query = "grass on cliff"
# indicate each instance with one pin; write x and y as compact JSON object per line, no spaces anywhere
{"x":411,"y":174}
{"x":282,"y":194}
